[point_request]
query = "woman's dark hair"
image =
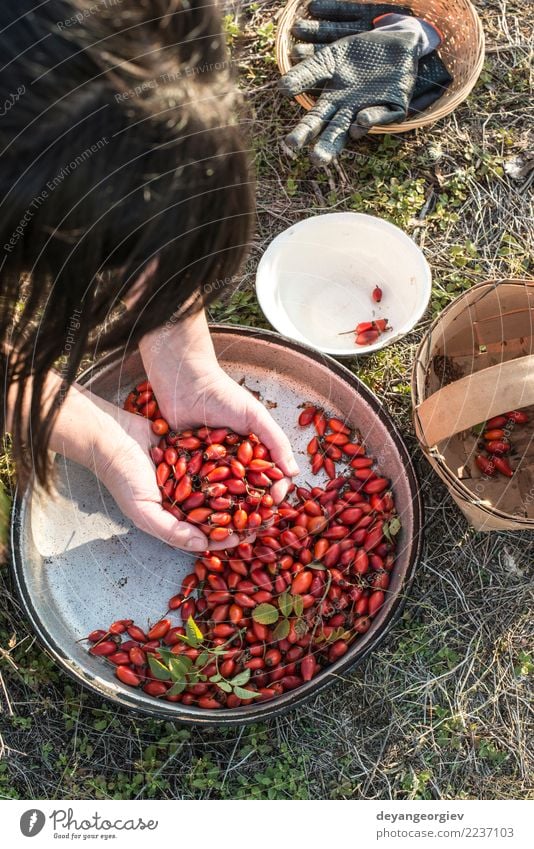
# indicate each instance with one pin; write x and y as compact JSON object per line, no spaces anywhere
{"x":119,"y":143}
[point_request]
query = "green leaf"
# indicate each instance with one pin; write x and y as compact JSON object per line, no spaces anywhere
{"x":202,"y":660}
{"x":225,"y":686}
{"x":178,"y":668}
{"x":187,"y":661}
{"x":282,"y":630}
{"x":291,"y":186}
{"x":185,"y":639}
{"x":298,"y":604}
{"x":265,"y":614}
{"x":395,"y":526}
{"x":193,"y":632}
{"x":216,"y":678}
{"x":158,"y":669}
{"x":245,"y":694}
{"x":285,"y":603}
{"x":241,"y":678}
{"x":184,"y":661}
{"x":391,"y":528}
{"x":165,"y":654}
{"x":316,"y":565}
{"x":177,"y":688}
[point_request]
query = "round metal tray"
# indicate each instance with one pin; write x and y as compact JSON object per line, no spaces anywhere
{"x":79,"y":564}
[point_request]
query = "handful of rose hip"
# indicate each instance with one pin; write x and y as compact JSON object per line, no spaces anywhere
{"x":211,"y":477}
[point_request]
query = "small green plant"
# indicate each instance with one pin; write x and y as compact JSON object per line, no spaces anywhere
{"x":231,"y":29}
{"x":415,"y":784}
{"x":265,"y":35}
{"x":524,"y":666}
{"x":488,"y":752}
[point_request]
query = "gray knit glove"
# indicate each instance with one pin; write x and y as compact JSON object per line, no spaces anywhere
{"x":368,"y":79}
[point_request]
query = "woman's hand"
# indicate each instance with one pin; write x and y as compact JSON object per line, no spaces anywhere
{"x":193,"y":390}
{"x":126,"y":469}
{"x":216,"y":400}
{"x":115,"y":446}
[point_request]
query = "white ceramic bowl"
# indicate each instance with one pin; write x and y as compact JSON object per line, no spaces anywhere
{"x":315,"y":281}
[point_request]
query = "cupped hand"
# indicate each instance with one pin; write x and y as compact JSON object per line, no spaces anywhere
{"x":125,"y":467}
{"x":215,"y":400}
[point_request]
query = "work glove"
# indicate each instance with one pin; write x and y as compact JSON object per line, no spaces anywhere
{"x":432,"y":76}
{"x":368,"y":79}
{"x":335,"y":19}
{"x":432,"y":80}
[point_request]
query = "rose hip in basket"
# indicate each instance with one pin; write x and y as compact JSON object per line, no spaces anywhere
{"x":266,"y":617}
{"x":497,"y":442}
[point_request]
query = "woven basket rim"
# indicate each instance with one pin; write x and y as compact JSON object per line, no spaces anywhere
{"x":464,"y":296}
{"x":424,"y":119}
{"x":457,"y":488}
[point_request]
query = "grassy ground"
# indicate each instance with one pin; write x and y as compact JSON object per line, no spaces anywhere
{"x":443,"y":709}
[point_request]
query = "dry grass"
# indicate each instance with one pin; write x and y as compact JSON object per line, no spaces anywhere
{"x":444,"y":708}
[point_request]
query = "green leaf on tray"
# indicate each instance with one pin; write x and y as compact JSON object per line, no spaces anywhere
{"x":165,"y":654}
{"x":241,"y":678}
{"x":158,"y":669}
{"x":395,"y":526}
{"x":265,"y":614}
{"x":392,"y":528}
{"x":193,"y":632}
{"x":285,"y":603}
{"x":298,"y":604}
{"x":179,"y":670}
{"x":245,"y":694}
{"x":202,"y":660}
{"x":281,"y":631}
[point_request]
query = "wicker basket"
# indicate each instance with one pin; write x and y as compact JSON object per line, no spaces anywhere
{"x":462,"y":51}
{"x":476,"y":362}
